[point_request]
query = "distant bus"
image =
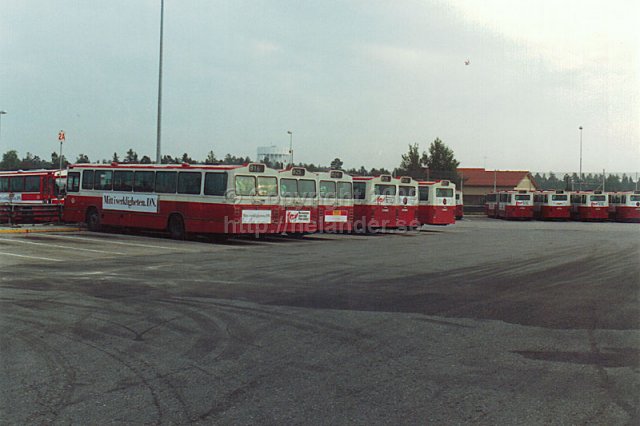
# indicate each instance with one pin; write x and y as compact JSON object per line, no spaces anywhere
{"x":515,"y":205}
{"x":551,"y":205}
{"x":335,"y":201}
{"x":624,"y":206}
{"x":385,"y":202}
{"x":491,"y":204}
{"x":30,"y":196}
{"x":437,"y":203}
{"x":589,"y":206}
{"x":298,"y":200}
{"x":179,"y":199}
{"x":459,"y":205}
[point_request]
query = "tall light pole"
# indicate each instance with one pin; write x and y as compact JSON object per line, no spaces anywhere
{"x":158,"y":154}
{"x":580,"y":184}
{"x":3,"y":112}
{"x":290,"y":147}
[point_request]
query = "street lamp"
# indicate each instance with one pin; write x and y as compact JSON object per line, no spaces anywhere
{"x":290,"y":147}
{"x":158,"y":155}
{"x":1,"y":114}
{"x":580,"y":184}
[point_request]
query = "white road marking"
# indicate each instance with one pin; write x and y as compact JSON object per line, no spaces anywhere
{"x":16,"y":240}
{"x":101,"y":240}
{"x":30,"y":257}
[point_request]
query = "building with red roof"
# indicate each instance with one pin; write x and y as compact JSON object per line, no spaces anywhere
{"x":478,"y":182}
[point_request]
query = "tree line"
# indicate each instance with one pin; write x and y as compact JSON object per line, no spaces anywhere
{"x":437,"y":163}
{"x":590,"y":182}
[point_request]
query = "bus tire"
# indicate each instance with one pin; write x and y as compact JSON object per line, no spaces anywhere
{"x":93,"y":220}
{"x":176,"y":227}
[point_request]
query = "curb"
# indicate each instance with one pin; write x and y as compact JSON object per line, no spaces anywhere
{"x":38,"y":230}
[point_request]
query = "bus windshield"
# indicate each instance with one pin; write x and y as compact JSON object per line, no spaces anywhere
{"x":556,"y":197}
{"x":521,"y":197}
{"x":598,"y":198}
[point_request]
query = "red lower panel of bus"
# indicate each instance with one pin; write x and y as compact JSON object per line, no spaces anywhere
{"x":491,"y":211}
{"x":591,"y":213}
{"x":555,"y":212}
{"x":206,"y":218}
{"x":627,"y":214}
{"x":516,"y":212}
{"x":436,"y":215}
{"x":367,"y":217}
{"x":335,"y":219}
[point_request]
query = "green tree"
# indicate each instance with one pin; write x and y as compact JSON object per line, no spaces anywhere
{"x":55,"y":161}
{"x":336,"y":164}
{"x":441,"y":162}
{"x":82,"y":158}
{"x":186,"y":159}
{"x":131,"y":157}
{"x":411,"y":164}
{"x":145,"y":160}
{"x":10,"y":160}
{"x":115,"y":158}
{"x":211,"y":158}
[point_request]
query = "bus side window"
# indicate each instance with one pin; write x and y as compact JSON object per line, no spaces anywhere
{"x":143,"y":181}
{"x":215,"y":183}
{"x":103,"y":179}
{"x":16,"y":184}
{"x":4,"y":184}
{"x":166,"y":182}
{"x":73,"y":182}
{"x":189,"y":183}
{"x":87,"y":179}
{"x":123,"y":180}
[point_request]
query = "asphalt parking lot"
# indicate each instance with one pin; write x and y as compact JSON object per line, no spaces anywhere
{"x":484,"y":322}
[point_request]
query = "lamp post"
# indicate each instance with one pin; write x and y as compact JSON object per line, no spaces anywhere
{"x":580,"y":183}
{"x":3,"y":112}
{"x":158,"y":154}
{"x":290,"y":147}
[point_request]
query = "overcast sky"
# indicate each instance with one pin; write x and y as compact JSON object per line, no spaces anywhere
{"x":356,"y":79}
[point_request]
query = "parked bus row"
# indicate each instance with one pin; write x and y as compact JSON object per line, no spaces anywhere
{"x":248,"y":199}
{"x":564,"y":205}
{"x":31,"y":196}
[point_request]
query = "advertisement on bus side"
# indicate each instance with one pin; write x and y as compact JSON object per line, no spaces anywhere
{"x":298,"y":216}
{"x":144,"y":203}
{"x":256,"y":216}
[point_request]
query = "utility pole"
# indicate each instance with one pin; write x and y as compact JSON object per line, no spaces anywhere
{"x":158,"y":149}
{"x":290,"y":147}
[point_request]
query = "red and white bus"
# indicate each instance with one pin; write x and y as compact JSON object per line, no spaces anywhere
{"x":624,"y":206}
{"x":30,"y":196}
{"x":298,"y":201}
{"x":589,"y":206}
{"x":551,"y":205}
{"x":515,"y":205}
{"x":335,"y":201}
{"x":491,"y":204}
{"x":459,"y":205}
{"x":437,"y":203}
{"x":384,"y":202}
{"x":180,"y":199}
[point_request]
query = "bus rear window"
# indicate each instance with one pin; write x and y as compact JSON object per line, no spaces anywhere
{"x":598,"y":198}
{"x":166,"y":182}
{"x":556,"y":197}
{"x":520,"y":197}
{"x":245,"y":185}
{"x":87,"y":179}
{"x":407,"y":191}
{"x":384,"y":189}
{"x":359,"y":190}
{"x":267,"y":186}
{"x":327,"y":189}
{"x":189,"y":183}
{"x":345,"y":191}
{"x":215,"y":184}
{"x":103,"y":179}
{"x":32,"y":184}
{"x":444,"y":192}
{"x":143,"y":181}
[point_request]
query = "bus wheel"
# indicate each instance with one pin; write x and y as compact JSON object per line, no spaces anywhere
{"x":176,"y":227}
{"x":93,"y":220}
